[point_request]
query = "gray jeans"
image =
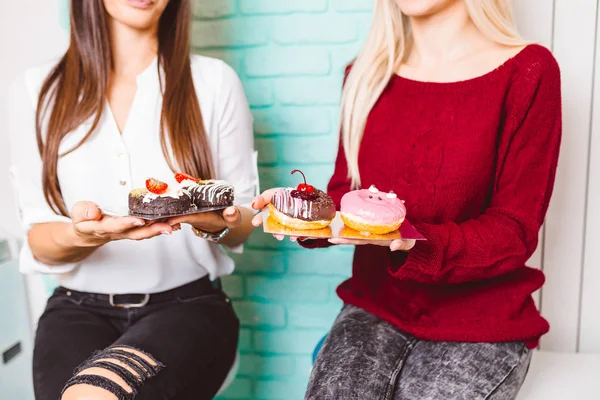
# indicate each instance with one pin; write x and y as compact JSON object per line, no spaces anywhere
{"x":366,"y":358}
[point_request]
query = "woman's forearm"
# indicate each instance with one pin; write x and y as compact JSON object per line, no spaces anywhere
{"x":240,"y":233}
{"x":56,"y":243}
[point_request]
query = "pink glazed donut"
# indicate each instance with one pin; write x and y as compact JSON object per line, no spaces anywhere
{"x":372,"y":211}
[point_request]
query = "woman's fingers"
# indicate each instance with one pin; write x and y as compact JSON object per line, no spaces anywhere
{"x":292,"y":238}
{"x":262,"y":200}
{"x":212,"y":221}
{"x":395,"y":245}
{"x":232,"y":216}
{"x":357,"y":242}
{"x":97,"y":228}
{"x":107,"y":226}
{"x":89,"y":220}
{"x":119,"y":224}
{"x":198,"y":219}
{"x":402,"y":245}
{"x":148,"y":232}
{"x":259,"y":203}
{"x":257,"y":220}
{"x":85,"y":211}
{"x":297,"y":238}
{"x":346,"y":241}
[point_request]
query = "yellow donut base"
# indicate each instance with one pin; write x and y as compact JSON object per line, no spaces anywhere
{"x":296,"y":223}
{"x":362,"y":225}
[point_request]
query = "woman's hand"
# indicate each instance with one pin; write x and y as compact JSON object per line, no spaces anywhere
{"x":56,"y":243}
{"x":93,"y":228}
{"x":260,"y":203}
{"x":237,"y":219}
{"x":213,"y":221}
{"x":394,"y":245}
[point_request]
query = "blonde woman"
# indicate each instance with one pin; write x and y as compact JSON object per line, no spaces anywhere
{"x":449,"y":108}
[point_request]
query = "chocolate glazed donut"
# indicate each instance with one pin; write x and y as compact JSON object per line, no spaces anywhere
{"x":302,"y":208}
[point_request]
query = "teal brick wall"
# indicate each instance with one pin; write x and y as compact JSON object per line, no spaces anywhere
{"x":290,"y":55}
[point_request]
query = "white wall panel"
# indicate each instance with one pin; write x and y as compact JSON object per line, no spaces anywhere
{"x":535,"y":20}
{"x":29,"y":35}
{"x":589,"y":338}
{"x":573,"y":45}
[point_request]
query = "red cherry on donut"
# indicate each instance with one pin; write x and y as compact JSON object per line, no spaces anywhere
{"x":304,"y":187}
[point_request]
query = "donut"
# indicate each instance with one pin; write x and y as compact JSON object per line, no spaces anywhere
{"x":206,"y":193}
{"x":210,"y":193}
{"x":372,"y":211}
{"x":302,"y":208}
{"x":349,"y":233}
{"x":187,"y":195}
{"x":158,"y":198}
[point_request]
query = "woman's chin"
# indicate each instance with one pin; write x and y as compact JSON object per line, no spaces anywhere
{"x":138,"y":14}
{"x":422,"y":8}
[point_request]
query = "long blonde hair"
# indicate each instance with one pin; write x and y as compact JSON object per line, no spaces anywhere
{"x":386,"y":47}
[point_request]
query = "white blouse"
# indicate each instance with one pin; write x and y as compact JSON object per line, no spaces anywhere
{"x":110,"y":164}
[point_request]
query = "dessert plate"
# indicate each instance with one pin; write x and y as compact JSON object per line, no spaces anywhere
{"x":116,"y":211}
{"x":337,"y":229}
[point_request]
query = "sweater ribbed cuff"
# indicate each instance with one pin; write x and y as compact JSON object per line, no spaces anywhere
{"x":425,"y":258}
{"x":314,"y":243}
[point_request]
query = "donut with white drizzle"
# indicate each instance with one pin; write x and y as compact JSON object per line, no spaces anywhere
{"x":209,"y":193}
{"x":303,"y":207}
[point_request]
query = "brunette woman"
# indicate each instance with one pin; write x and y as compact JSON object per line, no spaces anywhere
{"x":449,"y":108}
{"x":136,"y":313}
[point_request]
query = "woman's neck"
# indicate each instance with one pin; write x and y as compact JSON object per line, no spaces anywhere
{"x":132,"y":49}
{"x":445,"y":36}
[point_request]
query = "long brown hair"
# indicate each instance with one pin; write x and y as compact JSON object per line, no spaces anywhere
{"x":75,"y":91}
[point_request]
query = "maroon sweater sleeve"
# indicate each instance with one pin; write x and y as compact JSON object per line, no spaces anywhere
{"x":503,"y":238}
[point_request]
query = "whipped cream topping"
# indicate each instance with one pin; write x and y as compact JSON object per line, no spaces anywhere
{"x":187,"y":182}
{"x":174,"y":191}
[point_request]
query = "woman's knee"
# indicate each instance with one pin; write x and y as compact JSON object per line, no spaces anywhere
{"x":87,"y":391}
{"x":117,"y":372}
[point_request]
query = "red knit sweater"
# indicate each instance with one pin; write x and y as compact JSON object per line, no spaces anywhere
{"x":475,"y":162}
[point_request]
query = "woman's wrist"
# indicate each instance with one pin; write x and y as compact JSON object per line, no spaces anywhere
{"x":210,"y":229}
{"x":57,"y":243}
{"x":214,"y":225}
{"x":211,"y":236}
{"x":70,"y":239}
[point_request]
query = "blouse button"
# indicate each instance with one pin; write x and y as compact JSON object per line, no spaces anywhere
{"x":123,"y":183}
